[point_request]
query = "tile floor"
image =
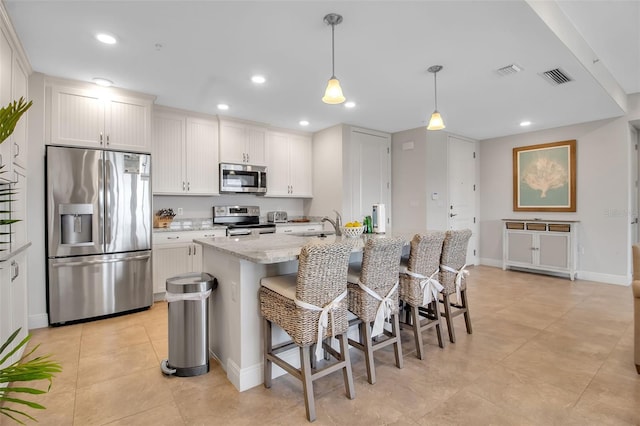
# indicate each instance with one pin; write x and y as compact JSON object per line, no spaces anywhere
{"x":544,"y":351}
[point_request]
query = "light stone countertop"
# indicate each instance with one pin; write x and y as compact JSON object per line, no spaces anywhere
{"x":277,"y":248}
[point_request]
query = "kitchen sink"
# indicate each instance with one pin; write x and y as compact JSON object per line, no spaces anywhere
{"x":314,"y":233}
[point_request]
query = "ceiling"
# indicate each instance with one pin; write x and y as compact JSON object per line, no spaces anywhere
{"x":196,"y":54}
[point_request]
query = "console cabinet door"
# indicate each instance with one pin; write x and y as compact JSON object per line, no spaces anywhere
{"x":553,"y":250}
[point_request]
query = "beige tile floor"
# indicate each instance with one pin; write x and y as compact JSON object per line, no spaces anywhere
{"x":544,"y":351}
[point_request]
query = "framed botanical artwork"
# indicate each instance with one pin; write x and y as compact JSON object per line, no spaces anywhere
{"x":544,"y":177}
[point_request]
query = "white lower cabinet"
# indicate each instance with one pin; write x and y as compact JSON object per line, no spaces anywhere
{"x":13,"y":301}
{"x":546,"y":246}
{"x":175,"y":253}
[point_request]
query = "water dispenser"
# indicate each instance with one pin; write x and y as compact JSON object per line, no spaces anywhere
{"x":76,"y":224}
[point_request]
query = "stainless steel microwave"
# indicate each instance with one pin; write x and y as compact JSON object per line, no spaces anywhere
{"x":243,"y":178}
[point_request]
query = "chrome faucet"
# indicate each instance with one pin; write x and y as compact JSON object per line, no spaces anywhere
{"x":337,"y":224}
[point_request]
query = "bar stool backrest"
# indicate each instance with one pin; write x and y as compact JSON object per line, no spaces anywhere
{"x":454,"y":255}
{"x":426,"y":249}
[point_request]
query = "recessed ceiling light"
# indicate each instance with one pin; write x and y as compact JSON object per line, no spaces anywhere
{"x":349,"y":104}
{"x":223,"y":107}
{"x":304,"y":123}
{"x":258,"y":79}
{"x":102,"y":82}
{"x":106,"y":38}
{"x":525,"y":123}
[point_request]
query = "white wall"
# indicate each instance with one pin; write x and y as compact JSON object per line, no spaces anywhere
{"x":602,"y":194}
{"x":417,"y":173}
{"x":328,"y":191}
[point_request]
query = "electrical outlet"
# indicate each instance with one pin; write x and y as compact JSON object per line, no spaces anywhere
{"x":179,"y":211}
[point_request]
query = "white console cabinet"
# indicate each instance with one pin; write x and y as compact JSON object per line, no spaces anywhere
{"x":540,"y":245}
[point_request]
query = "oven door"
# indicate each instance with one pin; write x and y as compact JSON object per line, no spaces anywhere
{"x":242,"y":178}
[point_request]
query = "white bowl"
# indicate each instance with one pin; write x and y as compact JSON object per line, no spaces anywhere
{"x":353,"y":232}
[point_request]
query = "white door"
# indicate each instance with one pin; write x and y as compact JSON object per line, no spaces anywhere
{"x":461,"y":166}
{"x":635,"y":177}
{"x":371,"y":174}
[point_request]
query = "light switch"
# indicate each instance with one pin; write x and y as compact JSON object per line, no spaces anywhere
{"x":434,"y":195}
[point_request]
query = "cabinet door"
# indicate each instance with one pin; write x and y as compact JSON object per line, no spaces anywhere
{"x":169,"y":262}
{"x":256,"y":140}
{"x":168,"y":154}
{"x":77,"y":117}
{"x":202,"y":157}
{"x":6,"y":310}
{"x":520,"y":247}
{"x":196,"y":258}
{"x":128,"y":124}
{"x":19,"y":209}
{"x":300,"y":175}
{"x":6,"y":55}
{"x":19,"y":136}
{"x":232,"y":143}
{"x":278,"y":183}
{"x":554,"y":250}
{"x":20,"y":317}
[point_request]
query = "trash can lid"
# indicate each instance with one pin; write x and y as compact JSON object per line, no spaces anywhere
{"x":193,"y":282}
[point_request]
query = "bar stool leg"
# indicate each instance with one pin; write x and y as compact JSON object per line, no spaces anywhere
{"x":467,"y":318}
{"x":417,"y":333}
{"x":367,"y":343}
{"x":447,"y":315}
{"x":307,"y":383}
{"x":267,"y":351}
{"x":397,"y":347}
{"x":347,"y":374}
{"x":436,"y":312}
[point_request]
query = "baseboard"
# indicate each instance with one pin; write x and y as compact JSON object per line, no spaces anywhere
{"x":252,"y":376}
{"x":582,"y":275}
{"x":38,"y":321}
{"x":491,"y":262}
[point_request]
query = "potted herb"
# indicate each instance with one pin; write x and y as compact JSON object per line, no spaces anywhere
{"x":163,"y":218}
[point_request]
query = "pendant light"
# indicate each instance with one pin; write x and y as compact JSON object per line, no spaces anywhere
{"x":333,"y":94}
{"x":436,"y":122}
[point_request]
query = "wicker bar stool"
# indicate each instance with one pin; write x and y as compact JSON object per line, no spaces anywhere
{"x":420,"y":289}
{"x":453,"y":275}
{"x":310,"y":306}
{"x":373,"y":298}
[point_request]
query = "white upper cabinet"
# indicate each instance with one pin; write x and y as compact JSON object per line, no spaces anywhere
{"x":19,"y":136}
{"x":242,"y":143}
{"x":96,"y":117}
{"x":6,"y":60}
{"x":185,"y":153}
{"x":289,"y":165}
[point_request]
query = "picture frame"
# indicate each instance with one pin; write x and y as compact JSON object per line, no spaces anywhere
{"x":544,"y":177}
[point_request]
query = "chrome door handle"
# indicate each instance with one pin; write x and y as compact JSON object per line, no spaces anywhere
{"x":189,"y":254}
{"x":17,"y":150}
{"x":101,"y":138}
{"x":453,"y":214}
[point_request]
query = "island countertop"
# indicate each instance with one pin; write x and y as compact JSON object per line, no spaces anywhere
{"x":277,"y":248}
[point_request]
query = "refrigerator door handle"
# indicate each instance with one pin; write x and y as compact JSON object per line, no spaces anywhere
{"x":96,"y":262}
{"x":107,"y":202}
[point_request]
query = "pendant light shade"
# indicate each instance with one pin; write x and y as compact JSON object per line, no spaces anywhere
{"x":333,"y":94}
{"x":436,"y":122}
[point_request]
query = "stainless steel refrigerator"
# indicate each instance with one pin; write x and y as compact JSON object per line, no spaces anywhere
{"x":98,"y":233}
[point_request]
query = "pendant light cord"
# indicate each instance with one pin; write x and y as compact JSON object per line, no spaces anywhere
{"x":333,"y":58}
{"x":435,"y":89}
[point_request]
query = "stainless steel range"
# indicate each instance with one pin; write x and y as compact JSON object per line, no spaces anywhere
{"x":241,"y":220}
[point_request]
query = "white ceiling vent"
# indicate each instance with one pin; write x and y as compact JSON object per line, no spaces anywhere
{"x":556,"y":76}
{"x":509,"y":69}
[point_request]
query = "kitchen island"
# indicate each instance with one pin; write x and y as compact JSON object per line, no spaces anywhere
{"x":235,"y":323}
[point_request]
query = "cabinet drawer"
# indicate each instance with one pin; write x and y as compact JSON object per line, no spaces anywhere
{"x":515,"y":225}
{"x":564,"y":227}
{"x":536,"y":226}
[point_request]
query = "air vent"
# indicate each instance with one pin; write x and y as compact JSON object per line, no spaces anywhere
{"x":556,"y":77}
{"x":509,"y":69}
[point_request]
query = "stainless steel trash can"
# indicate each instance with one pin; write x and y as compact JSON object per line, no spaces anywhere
{"x":188,"y":295}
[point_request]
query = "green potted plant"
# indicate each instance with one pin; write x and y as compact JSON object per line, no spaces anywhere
{"x":9,"y":117}
{"x":23,"y":370}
